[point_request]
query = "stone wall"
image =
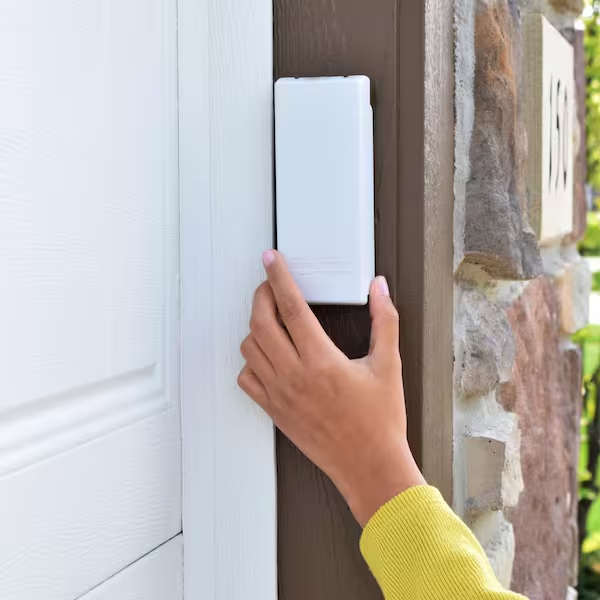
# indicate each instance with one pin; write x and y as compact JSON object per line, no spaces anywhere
{"x":517,"y":376}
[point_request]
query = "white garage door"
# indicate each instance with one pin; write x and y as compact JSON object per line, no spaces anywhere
{"x":90,"y":467}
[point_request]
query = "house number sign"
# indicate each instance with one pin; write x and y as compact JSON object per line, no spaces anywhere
{"x":549,"y":114}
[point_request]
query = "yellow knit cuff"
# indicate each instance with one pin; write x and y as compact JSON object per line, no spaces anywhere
{"x":416,"y":547}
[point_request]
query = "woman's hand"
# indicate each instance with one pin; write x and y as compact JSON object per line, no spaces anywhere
{"x":347,"y":416}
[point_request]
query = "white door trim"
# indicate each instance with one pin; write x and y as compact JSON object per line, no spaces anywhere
{"x":226,"y":193}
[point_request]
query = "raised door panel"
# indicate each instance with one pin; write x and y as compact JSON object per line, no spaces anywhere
{"x":157,"y":576}
{"x":90,"y":469}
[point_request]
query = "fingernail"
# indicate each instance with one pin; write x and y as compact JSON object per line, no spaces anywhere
{"x":268,"y":256}
{"x":382,"y":286}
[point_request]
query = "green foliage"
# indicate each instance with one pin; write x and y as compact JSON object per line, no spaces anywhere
{"x":589,"y":584}
{"x":590,"y":244}
{"x":592,"y":71}
{"x":588,"y":472}
{"x":589,"y":340}
{"x":589,"y":337}
{"x":591,"y":544}
{"x":592,"y":541}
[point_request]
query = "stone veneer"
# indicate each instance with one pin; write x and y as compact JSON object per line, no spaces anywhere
{"x":517,"y":376}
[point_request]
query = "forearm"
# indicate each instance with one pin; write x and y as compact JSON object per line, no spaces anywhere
{"x":418,"y":549}
{"x":349,"y":418}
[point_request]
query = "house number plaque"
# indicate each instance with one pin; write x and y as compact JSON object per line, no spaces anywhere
{"x":549,"y":89}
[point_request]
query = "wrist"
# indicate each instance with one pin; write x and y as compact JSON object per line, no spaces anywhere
{"x":380,"y":480}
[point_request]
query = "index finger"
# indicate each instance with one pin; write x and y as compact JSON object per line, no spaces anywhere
{"x":302,"y":325}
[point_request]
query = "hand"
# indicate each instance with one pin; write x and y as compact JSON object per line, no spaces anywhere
{"x":347,"y":416}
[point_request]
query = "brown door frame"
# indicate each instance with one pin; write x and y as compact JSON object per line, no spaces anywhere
{"x":406,"y":48}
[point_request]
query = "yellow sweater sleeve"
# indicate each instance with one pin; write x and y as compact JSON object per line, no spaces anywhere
{"x":418,"y":549}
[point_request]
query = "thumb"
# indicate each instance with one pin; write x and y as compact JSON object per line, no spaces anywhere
{"x":385,"y":323}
